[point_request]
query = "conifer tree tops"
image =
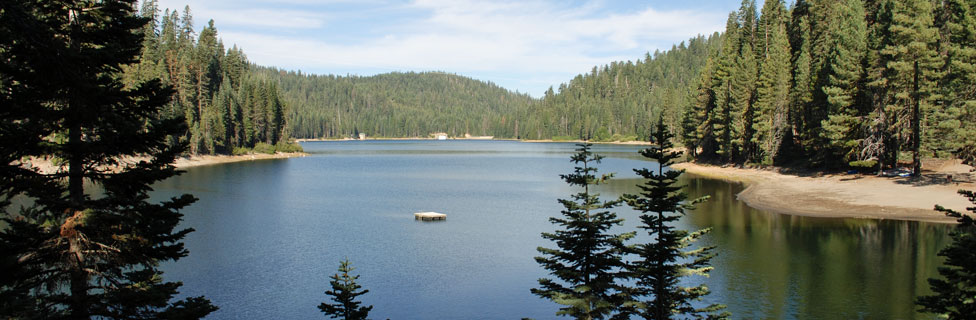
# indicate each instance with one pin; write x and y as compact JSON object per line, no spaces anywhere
{"x":344,"y":293}
{"x":660,"y":265}
{"x":588,"y":258}
{"x":866,"y":82}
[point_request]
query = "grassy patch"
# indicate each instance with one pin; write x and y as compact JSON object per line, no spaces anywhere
{"x":261,"y":147}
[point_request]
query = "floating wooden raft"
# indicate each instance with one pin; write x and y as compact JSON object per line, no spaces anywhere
{"x":429,"y":216}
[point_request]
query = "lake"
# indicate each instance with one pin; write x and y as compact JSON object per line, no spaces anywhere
{"x":270,"y":233}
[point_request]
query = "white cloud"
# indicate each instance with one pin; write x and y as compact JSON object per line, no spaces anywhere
{"x":231,"y":14}
{"x":289,"y":19}
{"x":517,"y":43}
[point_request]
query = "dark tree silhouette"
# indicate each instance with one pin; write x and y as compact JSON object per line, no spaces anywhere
{"x":954,"y":295}
{"x":84,"y":239}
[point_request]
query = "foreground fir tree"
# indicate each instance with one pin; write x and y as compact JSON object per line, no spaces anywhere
{"x":661,"y":264}
{"x":954,"y":296}
{"x":588,"y":259}
{"x":344,"y":292}
{"x":84,"y":240}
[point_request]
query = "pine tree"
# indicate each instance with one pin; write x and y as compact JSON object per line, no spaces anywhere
{"x":914,"y":66}
{"x":822,"y":18}
{"x":660,"y":265}
{"x":744,"y":79}
{"x":344,"y":293}
{"x":721,"y":119}
{"x":953,"y":296}
{"x":956,"y":20}
{"x":772,"y":92}
{"x":588,"y":259}
{"x":801,"y":84}
{"x":879,"y":145}
{"x":842,"y":128}
{"x":696,"y":127}
{"x":77,"y":253}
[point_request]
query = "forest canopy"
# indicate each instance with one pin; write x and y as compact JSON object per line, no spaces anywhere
{"x":824,"y":83}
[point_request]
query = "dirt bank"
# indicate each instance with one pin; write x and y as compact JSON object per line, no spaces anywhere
{"x":849,"y":195}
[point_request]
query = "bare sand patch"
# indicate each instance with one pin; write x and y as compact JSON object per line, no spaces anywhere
{"x":204,"y":160}
{"x":849,"y":195}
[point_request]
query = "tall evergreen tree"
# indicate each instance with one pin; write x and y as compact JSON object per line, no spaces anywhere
{"x":660,"y":265}
{"x":744,"y":78}
{"x":772,"y":94}
{"x":77,"y":253}
{"x":588,"y":260}
{"x":696,"y":127}
{"x":344,"y":293}
{"x":953,"y":296}
{"x":723,"y":80}
{"x":879,"y":144}
{"x":801,"y":83}
{"x":210,"y":82}
{"x":822,"y":16}
{"x":914,"y":67}
{"x":956,"y":117}
{"x":842,"y":128}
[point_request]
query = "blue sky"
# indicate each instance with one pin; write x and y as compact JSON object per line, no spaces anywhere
{"x":523,"y":45}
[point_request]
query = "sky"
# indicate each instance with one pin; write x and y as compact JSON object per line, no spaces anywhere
{"x":522,"y":45}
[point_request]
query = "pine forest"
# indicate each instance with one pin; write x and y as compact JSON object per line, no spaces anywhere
{"x":152,"y":170}
{"x":827,"y":84}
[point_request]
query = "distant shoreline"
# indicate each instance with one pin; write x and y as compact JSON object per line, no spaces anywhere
{"x":844,"y":195}
{"x":641,"y":143}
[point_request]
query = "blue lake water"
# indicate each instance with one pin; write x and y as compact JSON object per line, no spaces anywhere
{"x":269,"y":234}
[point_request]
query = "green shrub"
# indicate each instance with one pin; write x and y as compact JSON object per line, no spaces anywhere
{"x":563,"y":138}
{"x":240,"y":151}
{"x":602,"y":135}
{"x":284,"y":146}
{"x":622,"y":138}
{"x":262,"y":147}
{"x":866,"y":164}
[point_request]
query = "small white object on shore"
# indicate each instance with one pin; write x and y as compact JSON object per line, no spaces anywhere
{"x":429,"y":216}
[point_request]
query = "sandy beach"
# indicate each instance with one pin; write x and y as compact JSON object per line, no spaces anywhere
{"x":640,"y":143}
{"x":204,"y":160}
{"x":849,"y":195}
{"x":46,"y":166}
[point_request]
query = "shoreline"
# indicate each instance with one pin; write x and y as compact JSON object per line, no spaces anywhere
{"x":639,"y":143}
{"x":630,"y":143}
{"x":206,"y":160}
{"x":841,"y":195}
{"x":47,"y":167}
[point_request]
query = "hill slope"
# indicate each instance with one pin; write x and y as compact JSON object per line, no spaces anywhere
{"x":624,"y":98}
{"x":396,"y":104}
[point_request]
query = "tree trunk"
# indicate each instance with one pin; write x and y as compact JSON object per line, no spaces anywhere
{"x":78,"y":305}
{"x":916,"y":128}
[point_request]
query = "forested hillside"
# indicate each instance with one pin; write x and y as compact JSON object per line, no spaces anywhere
{"x":396,"y":104}
{"x":826,"y":83}
{"x":835,"y":83}
{"x":226,"y":107}
{"x":623,"y":98}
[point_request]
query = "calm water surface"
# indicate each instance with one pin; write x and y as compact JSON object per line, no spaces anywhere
{"x":269,"y":233}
